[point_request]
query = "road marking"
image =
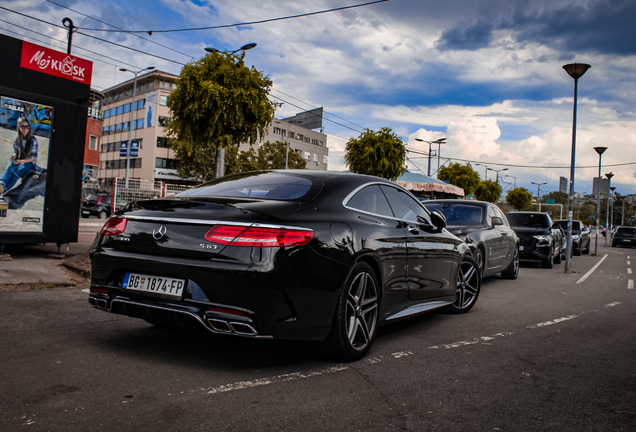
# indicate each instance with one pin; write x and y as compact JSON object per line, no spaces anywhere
{"x":629,"y":262}
{"x":629,"y":271}
{"x":554,"y":321}
{"x":471,"y":342}
{"x":592,"y":270}
{"x":630,"y":284}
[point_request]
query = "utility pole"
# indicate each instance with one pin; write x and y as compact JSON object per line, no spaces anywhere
{"x":68,"y":23}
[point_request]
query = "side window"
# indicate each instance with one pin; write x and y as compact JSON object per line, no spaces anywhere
{"x":371,"y":200}
{"x":404,"y":206}
{"x":502,"y":216}
{"x":491,"y":213}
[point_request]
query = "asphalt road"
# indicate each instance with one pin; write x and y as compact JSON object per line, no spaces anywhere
{"x":547,"y":352}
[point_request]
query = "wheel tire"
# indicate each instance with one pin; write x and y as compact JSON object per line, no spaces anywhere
{"x":577,"y":252}
{"x":557,"y":259}
{"x":613,"y":244}
{"x":513,"y":269}
{"x":479,"y":258}
{"x":468,"y":287}
{"x":548,"y":263}
{"x":587,"y":249}
{"x":355,"y":320}
{"x":85,"y":216}
{"x":103,"y":215}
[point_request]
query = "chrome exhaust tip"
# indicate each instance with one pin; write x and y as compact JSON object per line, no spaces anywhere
{"x":101,"y":304}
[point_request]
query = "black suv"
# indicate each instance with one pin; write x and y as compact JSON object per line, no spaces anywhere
{"x":539,"y":238}
{"x":580,"y":236}
{"x":99,"y":205}
{"x":624,"y":236}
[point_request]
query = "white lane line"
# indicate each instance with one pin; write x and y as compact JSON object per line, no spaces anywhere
{"x":471,"y":342}
{"x":629,"y":271}
{"x":630,"y":284}
{"x":554,"y":321}
{"x":592,"y":270}
{"x":629,"y":262}
{"x":612,"y":304}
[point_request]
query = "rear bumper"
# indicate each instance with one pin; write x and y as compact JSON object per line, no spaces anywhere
{"x":278,"y":303}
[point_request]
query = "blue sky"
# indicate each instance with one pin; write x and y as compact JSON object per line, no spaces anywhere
{"x":487,"y":75}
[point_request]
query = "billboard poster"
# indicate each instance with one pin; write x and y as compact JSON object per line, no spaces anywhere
{"x":151,"y":109}
{"x":25,"y":133}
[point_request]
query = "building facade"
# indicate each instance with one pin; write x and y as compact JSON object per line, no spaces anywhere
{"x":144,"y":120}
{"x":94,"y":125}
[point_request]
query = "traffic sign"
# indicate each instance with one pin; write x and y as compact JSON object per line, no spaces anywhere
{"x":134,"y":148}
{"x":123,"y":150}
{"x":550,"y":201}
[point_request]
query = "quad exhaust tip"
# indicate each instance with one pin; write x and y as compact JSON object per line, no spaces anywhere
{"x":232,"y":327}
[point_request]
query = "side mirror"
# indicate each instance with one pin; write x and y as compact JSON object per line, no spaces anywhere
{"x":496,"y":220}
{"x":438,"y":219}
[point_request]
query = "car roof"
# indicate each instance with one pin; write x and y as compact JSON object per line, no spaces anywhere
{"x":456,"y":201}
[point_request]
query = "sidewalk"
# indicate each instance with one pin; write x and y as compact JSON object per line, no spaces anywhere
{"x":40,"y":266}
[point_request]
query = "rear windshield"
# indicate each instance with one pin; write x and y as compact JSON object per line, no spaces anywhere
{"x":626,"y":230}
{"x":576,"y":225}
{"x":93,"y":197}
{"x":265,"y":185}
{"x":529,"y":220}
{"x":458,"y":214}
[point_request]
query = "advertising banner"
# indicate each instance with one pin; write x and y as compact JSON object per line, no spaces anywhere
{"x":56,"y":63}
{"x":25,"y":133}
{"x":151,"y":109}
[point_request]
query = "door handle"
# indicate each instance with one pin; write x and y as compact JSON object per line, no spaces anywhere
{"x":504,"y":233}
{"x":414,"y":230}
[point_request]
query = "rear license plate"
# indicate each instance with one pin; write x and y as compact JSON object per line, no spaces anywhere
{"x":154,"y":284}
{"x":520,"y":247}
{"x":625,"y":240}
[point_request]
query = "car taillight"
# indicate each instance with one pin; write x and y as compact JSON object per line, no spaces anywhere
{"x":99,"y":200}
{"x":259,"y":237}
{"x":114,"y":226}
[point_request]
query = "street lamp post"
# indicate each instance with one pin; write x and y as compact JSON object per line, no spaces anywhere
{"x":607,"y":224}
{"x":600,"y":151}
{"x":497,"y":171}
{"x":438,"y":141}
{"x":613,"y":188}
{"x":538,"y":188}
{"x":220,"y":153}
{"x":576,"y":71}
{"x":485,"y":171}
{"x":132,"y":110}
{"x":515,"y":181}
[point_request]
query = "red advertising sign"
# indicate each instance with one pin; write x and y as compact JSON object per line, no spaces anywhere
{"x":55,"y":63}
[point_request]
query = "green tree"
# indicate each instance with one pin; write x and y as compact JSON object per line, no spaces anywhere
{"x":488,"y":190}
{"x":559,"y":197}
{"x":219,"y":103}
{"x":462,"y":176}
{"x":381,"y":154}
{"x":269,"y":156}
{"x":519,"y":198}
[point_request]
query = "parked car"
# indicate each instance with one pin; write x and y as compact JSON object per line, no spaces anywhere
{"x":97,"y":205}
{"x":485,"y":229}
{"x":290,"y":254}
{"x":539,"y":238}
{"x":580,"y":236}
{"x":624,"y":236}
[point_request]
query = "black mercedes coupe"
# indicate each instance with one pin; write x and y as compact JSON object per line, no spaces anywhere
{"x":290,"y":254}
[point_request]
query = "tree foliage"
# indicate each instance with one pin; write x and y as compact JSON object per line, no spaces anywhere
{"x":218,"y":103}
{"x":269,"y":156}
{"x":519,"y":198}
{"x":381,"y":154}
{"x":462,"y":176}
{"x":488,"y":190}
{"x":559,"y":197}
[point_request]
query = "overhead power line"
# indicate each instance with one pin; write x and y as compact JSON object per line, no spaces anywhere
{"x":241,"y":24}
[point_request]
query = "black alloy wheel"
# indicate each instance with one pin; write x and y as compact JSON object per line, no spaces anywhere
{"x":549,"y":262}
{"x":512,"y":271}
{"x":557,"y":258}
{"x":355,"y":321}
{"x":103,"y":215}
{"x":587,"y":249}
{"x":468,"y":287}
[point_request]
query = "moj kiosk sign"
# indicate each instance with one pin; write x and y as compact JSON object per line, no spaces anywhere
{"x":55,"y":63}
{"x":43,"y":93}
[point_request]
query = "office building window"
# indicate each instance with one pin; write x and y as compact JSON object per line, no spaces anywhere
{"x":126,"y":108}
{"x":140,"y":124}
{"x":162,"y":142}
{"x":165,"y":163}
{"x":163,"y":121}
{"x":163,"y":100}
{"x":92,"y":144}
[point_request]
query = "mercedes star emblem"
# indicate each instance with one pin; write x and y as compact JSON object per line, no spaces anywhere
{"x":159,"y":232}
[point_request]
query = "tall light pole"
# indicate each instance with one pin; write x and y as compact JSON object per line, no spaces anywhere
{"x":287,"y":136}
{"x":497,"y":171}
{"x":515,"y":181}
{"x":438,"y":141}
{"x":132,"y":110}
{"x":609,"y":177}
{"x":612,"y":188}
{"x":485,"y":171}
{"x":600,"y":151}
{"x":538,"y":189}
{"x":220,"y":153}
{"x":576,"y":71}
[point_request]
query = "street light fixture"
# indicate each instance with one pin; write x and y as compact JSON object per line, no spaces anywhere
{"x":600,"y":151}
{"x":576,"y":71}
{"x":220,"y":153}
{"x":612,"y":188}
{"x":485,"y":172}
{"x":437,"y":141}
{"x":132,"y":110}
{"x":515,"y":181}
{"x":497,"y":171}
{"x":538,"y":188}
